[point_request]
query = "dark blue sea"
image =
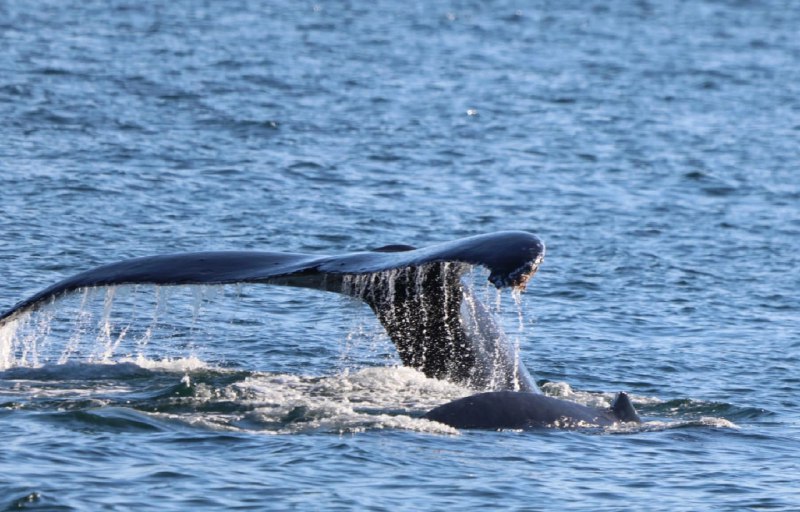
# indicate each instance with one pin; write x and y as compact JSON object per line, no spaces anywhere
{"x":653,"y":146}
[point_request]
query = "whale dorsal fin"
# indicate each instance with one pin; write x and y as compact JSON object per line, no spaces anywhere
{"x":623,"y":408}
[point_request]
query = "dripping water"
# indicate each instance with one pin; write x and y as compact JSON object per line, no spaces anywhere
{"x":99,"y":326}
{"x":498,"y":359}
{"x":103,"y":325}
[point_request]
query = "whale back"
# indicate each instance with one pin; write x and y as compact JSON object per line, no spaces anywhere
{"x":514,"y":410}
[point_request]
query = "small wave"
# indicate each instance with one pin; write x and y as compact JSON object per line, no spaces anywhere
{"x":126,"y":368}
{"x":686,"y":413}
{"x":74,"y":370}
{"x":705,"y":422}
{"x":28,"y":501}
{"x":687,"y":408}
{"x":116,"y":419}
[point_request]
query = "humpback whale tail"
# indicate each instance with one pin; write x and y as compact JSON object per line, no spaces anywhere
{"x":438,"y":326}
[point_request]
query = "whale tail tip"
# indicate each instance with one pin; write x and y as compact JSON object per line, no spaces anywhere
{"x":623,"y":408}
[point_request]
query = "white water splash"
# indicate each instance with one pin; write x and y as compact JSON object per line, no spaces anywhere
{"x":23,"y":338}
{"x":8,"y":336}
{"x":366,"y":340}
{"x":346,"y":402}
{"x":564,"y":391}
{"x":170,"y":364}
{"x":498,"y":364}
{"x":98,"y":325}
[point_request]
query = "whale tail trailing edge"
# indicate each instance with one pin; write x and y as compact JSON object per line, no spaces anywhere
{"x":417,"y":294}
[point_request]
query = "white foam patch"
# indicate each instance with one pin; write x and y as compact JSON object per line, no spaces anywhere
{"x":659,"y":426}
{"x":592,"y":399}
{"x":392,"y":386}
{"x":368,"y":399}
{"x":565,"y":391}
{"x":177,"y":364}
{"x":710,"y":421}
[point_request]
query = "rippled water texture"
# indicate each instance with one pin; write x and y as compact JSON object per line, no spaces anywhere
{"x":654,"y":146}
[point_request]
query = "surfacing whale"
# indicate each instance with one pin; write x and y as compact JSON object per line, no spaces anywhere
{"x":437,"y":324}
{"x":514,"y":410}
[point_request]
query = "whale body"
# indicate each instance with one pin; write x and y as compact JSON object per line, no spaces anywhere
{"x":514,"y":410}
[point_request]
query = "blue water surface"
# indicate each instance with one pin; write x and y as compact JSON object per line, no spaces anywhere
{"x":654,"y":146}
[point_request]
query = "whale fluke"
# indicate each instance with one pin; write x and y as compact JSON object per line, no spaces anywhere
{"x":437,"y":324}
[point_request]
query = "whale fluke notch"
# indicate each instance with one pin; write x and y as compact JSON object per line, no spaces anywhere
{"x":417,"y":294}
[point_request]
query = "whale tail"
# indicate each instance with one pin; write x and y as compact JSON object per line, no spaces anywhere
{"x":623,"y":408}
{"x":437,"y":325}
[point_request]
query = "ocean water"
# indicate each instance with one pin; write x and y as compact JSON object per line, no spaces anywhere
{"x":654,"y":146}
